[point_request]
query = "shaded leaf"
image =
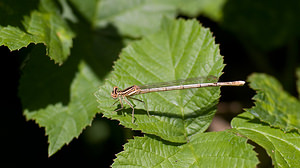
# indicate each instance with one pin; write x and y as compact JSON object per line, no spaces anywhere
{"x":44,"y":85}
{"x":42,"y":82}
{"x":272,"y":104}
{"x":132,"y":18}
{"x":283,"y":147}
{"x":181,"y":50}
{"x":63,"y":123}
{"x":136,"y":18}
{"x":211,"y":9}
{"x":214,"y":149}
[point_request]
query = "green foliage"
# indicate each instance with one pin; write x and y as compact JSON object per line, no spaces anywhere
{"x":161,"y":48}
{"x":136,"y":18}
{"x":283,"y":147}
{"x":273,"y":122}
{"x":211,"y":9}
{"x":181,"y":50}
{"x":64,"y":122}
{"x":215,"y":149}
{"x":273,"y":105}
{"x":44,"y":26}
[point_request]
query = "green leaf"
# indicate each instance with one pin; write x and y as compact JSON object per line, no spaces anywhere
{"x":63,"y":123}
{"x":273,"y":105}
{"x":44,"y":26}
{"x":132,"y":18}
{"x":44,"y":84}
{"x":214,"y":149}
{"x":211,"y":9}
{"x":283,"y":147}
{"x":136,"y":18}
{"x":181,"y":50}
{"x":14,"y":38}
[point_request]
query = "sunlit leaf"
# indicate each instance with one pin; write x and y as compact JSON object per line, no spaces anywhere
{"x":44,"y":26}
{"x":215,"y":149}
{"x":182,"y":49}
{"x":283,"y":147}
{"x":273,"y":105}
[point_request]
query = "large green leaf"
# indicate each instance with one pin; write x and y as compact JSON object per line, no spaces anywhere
{"x":182,"y":49}
{"x":64,"y":122}
{"x":132,"y":18}
{"x":273,"y":105}
{"x":136,"y":18}
{"x":43,"y":26}
{"x":215,"y":149}
{"x":283,"y":147}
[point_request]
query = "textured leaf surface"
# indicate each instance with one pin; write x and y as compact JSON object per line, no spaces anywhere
{"x":273,"y":105}
{"x":283,"y":147}
{"x":43,"y":26}
{"x":181,"y":50}
{"x":215,"y":149}
{"x":64,"y":122}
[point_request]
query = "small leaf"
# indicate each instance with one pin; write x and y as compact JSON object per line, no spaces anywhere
{"x":283,"y":147}
{"x":214,"y":149}
{"x":273,"y":105}
{"x":211,"y":9}
{"x":63,"y":123}
{"x":46,"y":27}
{"x":181,"y":50}
{"x":14,"y":38}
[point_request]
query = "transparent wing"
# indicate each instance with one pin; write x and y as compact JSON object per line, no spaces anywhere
{"x":181,"y":82}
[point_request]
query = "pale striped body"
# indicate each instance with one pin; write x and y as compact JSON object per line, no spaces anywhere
{"x":190,"y":86}
{"x":135,"y":90}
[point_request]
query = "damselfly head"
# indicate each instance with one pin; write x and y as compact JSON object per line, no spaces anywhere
{"x":114,"y":93}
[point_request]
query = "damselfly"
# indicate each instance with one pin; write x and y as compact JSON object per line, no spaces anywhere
{"x":165,"y":86}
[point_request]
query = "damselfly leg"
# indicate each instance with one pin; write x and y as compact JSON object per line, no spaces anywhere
{"x":127,"y":101}
{"x":141,"y":102}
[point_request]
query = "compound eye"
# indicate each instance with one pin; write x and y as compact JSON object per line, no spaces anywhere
{"x":114,"y":93}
